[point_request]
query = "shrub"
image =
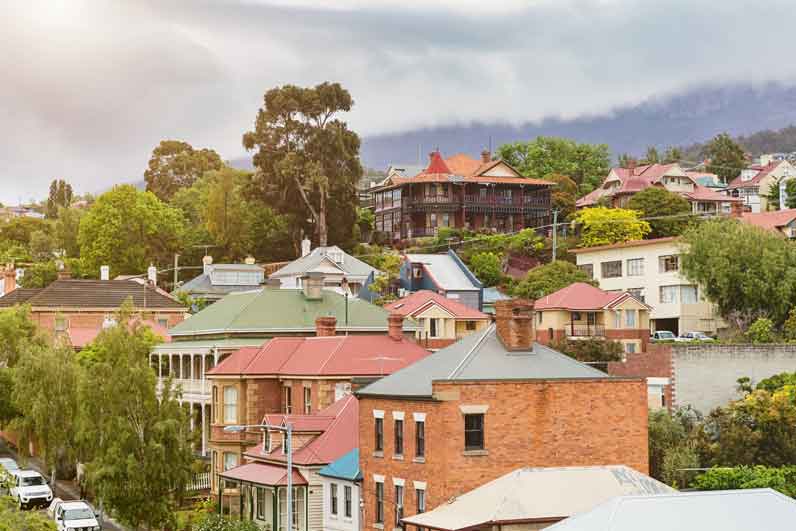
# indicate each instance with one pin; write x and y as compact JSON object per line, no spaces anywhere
{"x":590,"y":350}
{"x":761,"y":331}
{"x":782,"y":479}
{"x":487,"y":267}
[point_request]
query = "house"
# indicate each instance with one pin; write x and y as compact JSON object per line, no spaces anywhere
{"x":341,"y":493}
{"x":297,"y":375}
{"x":782,"y":222}
{"x":78,"y":310}
{"x":219,"y":280}
{"x":445,"y":274}
{"x":489,"y":404}
{"x":728,"y":510}
{"x":623,"y":183}
{"x":650,"y":271}
{"x":249,"y":319}
{"x":459,"y":192}
{"x":582,"y":311}
{"x":535,"y":498}
{"x":491,"y":296}
{"x":9,"y":277}
{"x":441,"y":320}
{"x":335,"y":264}
{"x":257,"y":489}
{"x":754,"y":184}
{"x":10,"y":212}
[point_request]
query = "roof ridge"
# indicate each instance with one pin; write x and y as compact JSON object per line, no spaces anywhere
{"x":340,"y":343}
{"x":472,"y":350}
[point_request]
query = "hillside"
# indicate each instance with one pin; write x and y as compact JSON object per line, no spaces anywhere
{"x":768,"y":141}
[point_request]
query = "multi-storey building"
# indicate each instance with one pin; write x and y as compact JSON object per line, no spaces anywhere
{"x":650,"y":270}
{"x":459,"y":192}
{"x":480,"y":408}
{"x":753,"y":185}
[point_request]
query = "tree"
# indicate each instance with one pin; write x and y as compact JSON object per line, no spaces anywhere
{"x":749,"y":477}
{"x":548,"y":278}
{"x":790,"y":193}
{"x":773,"y":196}
{"x":746,"y":271}
{"x":175,"y":164}
{"x":563,"y":195}
{"x":307,"y":159}
{"x":8,"y":409}
{"x":673,"y":211}
{"x":590,"y":350}
{"x":672,"y":154}
{"x":42,"y":246}
{"x":761,"y":331}
{"x":67,"y":226}
{"x":366,"y":220}
{"x":60,"y":197}
{"x":14,"y":519}
{"x":626,"y":160}
{"x":487,"y":267}
{"x":128,"y":230}
{"x":19,"y":230}
{"x":17,"y":334}
{"x":586,"y":164}
{"x":136,"y":442}
{"x":670,"y":443}
{"x":777,"y":381}
{"x":605,"y":226}
{"x":652,"y":156}
{"x":726,"y":157}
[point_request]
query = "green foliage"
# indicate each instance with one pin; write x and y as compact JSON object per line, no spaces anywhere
{"x":670,"y":444}
{"x":60,"y":197}
{"x":175,"y":165}
{"x":8,"y":409}
{"x":586,"y":164}
{"x":307,"y":160}
{"x":672,"y":154}
{"x":604,"y":226}
{"x":128,"y":230}
{"x":790,"y":192}
{"x":777,"y":381}
{"x":19,"y":230}
{"x":546,"y":279}
{"x":749,"y":477}
{"x":761,"y":331}
{"x":773,"y":196}
{"x":389,"y":264}
{"x":13,"y":519}
{"x":747,"y":272}
{"x":487,"y":267}
{"x":215,"y":522}
{"x":67,"y":226}
{"x":366,"y":220}
{"x":726,"y":157}
{"x":18,"y":333}
{"x":659,"y":202}
{"x":563,"y":195}
{"x":652,"y":156}
{"x":589,"y":350}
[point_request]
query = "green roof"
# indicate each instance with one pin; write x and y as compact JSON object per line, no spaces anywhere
{"x":228,"y":342}
{"x":267,"y":311}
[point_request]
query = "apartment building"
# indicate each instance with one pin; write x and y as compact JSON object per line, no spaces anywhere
{"x":650,"y":271}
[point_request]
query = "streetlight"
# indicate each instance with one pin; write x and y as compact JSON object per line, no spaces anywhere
{"x":287,"y":428}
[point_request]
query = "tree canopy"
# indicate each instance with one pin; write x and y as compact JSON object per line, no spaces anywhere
{"x":60,"y":197}
{"x":605,"y":226}
{"x":726,"y":157}
{"x":657,"y":202}
{"x":563,"y":195}
{"x":175,"y":164}
{"x":546,"y":279}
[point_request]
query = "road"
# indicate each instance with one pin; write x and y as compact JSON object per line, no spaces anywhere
{"x":66,"y":490}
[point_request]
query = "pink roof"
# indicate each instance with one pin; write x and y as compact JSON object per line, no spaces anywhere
{"x":763,"y":171}
{"x":340,"y":436}
{"x":770,"y":220}
{"x":703,"y":193}
{"x":263,"y":474}
{"x":366,"y":355}
{"x":79,"y":337}
{"x":579,"y":296}
{"x":419,"y":301}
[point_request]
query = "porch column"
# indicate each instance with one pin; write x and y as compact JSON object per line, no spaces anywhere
{"x":204,"y":369}
{"x":204,"y":432}
{"x":192,"y":371}
{"x":171,"y":365}
{"x":160,"y":366}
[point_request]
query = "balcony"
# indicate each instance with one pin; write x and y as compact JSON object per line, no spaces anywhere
{"x":197,"y":388}
{"x":580,"y":330}
{"x":512,"y":203}
{"x":435,"y":203}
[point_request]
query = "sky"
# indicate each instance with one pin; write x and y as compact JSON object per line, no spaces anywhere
{"x":88,"y":88}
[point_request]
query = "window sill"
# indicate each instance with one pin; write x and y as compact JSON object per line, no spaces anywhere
{"x":474,"y":453}
{"x":378,"y":454}
{"x":419,"y":460}
{"x":398,"y":457}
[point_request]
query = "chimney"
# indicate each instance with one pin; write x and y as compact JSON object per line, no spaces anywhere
{"x":313,"y":285}
{"x":64,"y":273}
{"x":207,"y":264}
{"x":249,"y":260}
{"x":395,"y":326}
{"x":306,"y":247}
{"x":152,"y":275}
{"x":105,"y":272}
{"x":325,"y":326}
{"x":486,"y":156}
{"x":9,"y":279}
{"x":514,"y":323}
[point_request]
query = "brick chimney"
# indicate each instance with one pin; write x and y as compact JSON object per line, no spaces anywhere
{"x":486,"y":156}
{"x":326,"y":326}
{"x":395,"y":326}
{"x":514,"y":324}
{"x":64,"y":273}
{"x":313,"y":285}
{"x":9,"y":279}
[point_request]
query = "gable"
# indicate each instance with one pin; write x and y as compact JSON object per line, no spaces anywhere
{"x":501,"y":170}
{"x":433,"y":311}
{"x":629,"y":303}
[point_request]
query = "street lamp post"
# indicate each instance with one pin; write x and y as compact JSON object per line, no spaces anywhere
{"x":287,"y":428}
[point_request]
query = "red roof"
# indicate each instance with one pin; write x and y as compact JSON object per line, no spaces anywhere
{"x":580,"y":296}
{"x":437,"y":165}
{"x":79,"y":337}
{"x":340,"y":436}
{"x":763,"y":171}
{"x":263,"y":474}
{"x":770,"y":220}
{"x":419,"y":301}
{"x":366,"y":355}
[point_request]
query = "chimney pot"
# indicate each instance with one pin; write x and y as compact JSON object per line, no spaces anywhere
{"x":207,"y":264}
{"x":514,"y":324}
{"x":486,"y":156}
{"x":249,"y":260}
{"x":395,"y":326}
{"x":105,"y":272}
{"x":313,"y":285}
{"x":306,"y":247}
{"x":152,"y":275}
{"x":326,"y":326}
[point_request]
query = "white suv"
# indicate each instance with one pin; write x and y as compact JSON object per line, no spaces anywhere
{"x":30,"y":489}
{"x":74,"y":515}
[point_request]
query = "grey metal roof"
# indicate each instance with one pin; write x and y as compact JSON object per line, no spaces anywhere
{"x":202,"y":285}
{"x":350,"y":266}
{"x":492,"y":294}
{"x":538,"y":494}
{"x":727,"y":510}
{"x":238,"y":267}
{"x":480,"y":356}
{"x":446,"y":272}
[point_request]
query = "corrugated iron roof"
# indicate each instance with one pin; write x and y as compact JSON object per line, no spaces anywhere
{"x":93,"y":294}
{"x":419,"y":301}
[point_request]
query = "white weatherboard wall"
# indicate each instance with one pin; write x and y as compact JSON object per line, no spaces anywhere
{"x":339,"y":522}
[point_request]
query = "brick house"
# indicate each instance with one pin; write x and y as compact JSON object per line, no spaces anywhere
{"x":493,"y":402}
{"x":582,"y":311}
{"x":296,"y":375}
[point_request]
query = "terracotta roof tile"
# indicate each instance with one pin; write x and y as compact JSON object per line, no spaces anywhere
{"x":419,"y":301}
{"x":579,"y":296}
{"x":770,"y":220}
{"x":763,"y":171}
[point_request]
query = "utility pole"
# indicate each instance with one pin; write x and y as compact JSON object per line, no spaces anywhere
{"x":176,"y":270}
{"x":555,"y":233}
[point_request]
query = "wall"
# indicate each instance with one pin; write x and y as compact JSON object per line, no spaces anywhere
{"x":340,"y":522}
{"x":656,"y":362}
{"x":94,"y":318}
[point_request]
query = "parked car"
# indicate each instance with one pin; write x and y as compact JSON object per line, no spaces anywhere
{"x":663,"y":335}
{"x":73,"y":515}
{"x":30,"y":489}
{"x":695,"y":336}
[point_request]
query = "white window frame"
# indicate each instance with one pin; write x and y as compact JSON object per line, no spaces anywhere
{"x":635,"y":267}
{"x":230,"y":404}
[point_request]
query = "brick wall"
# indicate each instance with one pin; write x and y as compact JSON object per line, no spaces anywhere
{"x":623,"y":333}
{"x":531,"y":423}
{"x":94,"y":319}
{"x":655,"y":362}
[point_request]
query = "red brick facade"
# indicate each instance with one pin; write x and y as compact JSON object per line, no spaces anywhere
{"x":526,"y":423}
{"x":655,"y":362}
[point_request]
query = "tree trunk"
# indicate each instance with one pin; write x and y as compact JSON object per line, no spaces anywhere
{"x":322,"y":231}
{"x":53,"y":480}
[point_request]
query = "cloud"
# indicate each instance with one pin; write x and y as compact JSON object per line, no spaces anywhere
{"x":90,"y":87}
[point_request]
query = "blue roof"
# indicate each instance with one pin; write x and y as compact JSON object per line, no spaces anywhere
{"x":346,"y":467}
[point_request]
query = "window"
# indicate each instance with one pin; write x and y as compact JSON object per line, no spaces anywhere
{"x":668,"y":294}
{"x":618,"y":319}
{"x":611,"y":269}
{"x":588,"y":269}
{"x":470,"y":326}
{"x":307,"y":400}
{"x":421,"y":500}
{"x":379,"y":433}
{"x":215,"y":409}
{"x":630,"y":318}
{"x":630,"y":348}
{"x":445,"y":221}
{"x":379,"y":503}
{"x":347,"y":500}
{"x":341,"y":389}
{"x":689,"y":294}
{"x":61,"y":323}
{"x":333,"y":498}
{"x":260,"y":503}
{"x":474,"y":431}
{"x":399,"y":505}
{"x":288,"y":400}
{"x":420,"y":438}
{"x":433,"y":327}
{"x":298,"y":508}
{"x":230,"y":460}
{"x":230,"y":405}
{"x":635,"y":267}
{"x":163,"y":322}
{"x":668,"y":263}
{"x":399,"y":437}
